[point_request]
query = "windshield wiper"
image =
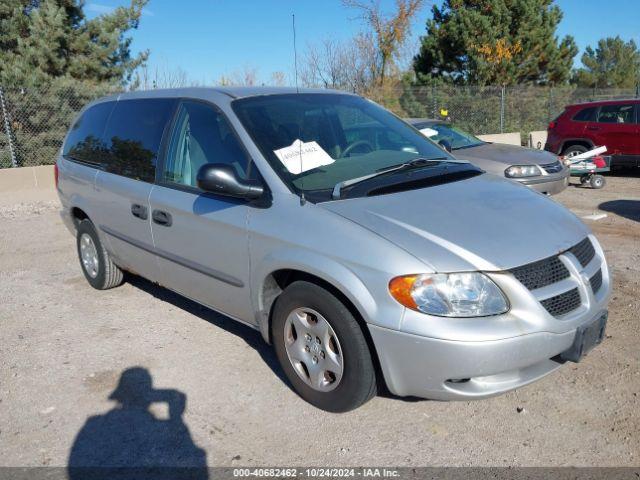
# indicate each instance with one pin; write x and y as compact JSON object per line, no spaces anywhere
{"x":416,"y":163}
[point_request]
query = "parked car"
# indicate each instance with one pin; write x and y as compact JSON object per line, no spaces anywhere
{"x":612,"y":123}
{"x":361,"y":261}
{"x":537,"y":169}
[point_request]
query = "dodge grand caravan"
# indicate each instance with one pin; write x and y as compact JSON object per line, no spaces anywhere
{"x":362,"y":259}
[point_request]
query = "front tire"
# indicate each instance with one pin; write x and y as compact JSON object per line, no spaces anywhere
{"x":322,"y":349}
{"x":96,"y":264}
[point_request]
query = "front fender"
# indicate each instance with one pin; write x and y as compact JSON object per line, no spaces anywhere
{"x":323,"y":267}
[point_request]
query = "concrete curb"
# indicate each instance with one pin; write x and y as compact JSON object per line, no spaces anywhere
{"x":512,"y":138}
{"x":27,"y":185}
{"x":27,"y":178}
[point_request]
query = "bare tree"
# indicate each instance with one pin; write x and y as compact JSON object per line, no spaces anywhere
{"x":347,"y":65}
{"x":390,"y":30}
{"x":160,"y":76}
{"x":246,"y":77}
{"x":278,"y":79}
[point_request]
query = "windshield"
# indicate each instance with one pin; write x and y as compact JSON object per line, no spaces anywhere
{"x":456,"y":137}
{"x":315,"y":141}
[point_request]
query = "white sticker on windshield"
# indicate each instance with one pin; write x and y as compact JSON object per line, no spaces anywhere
{"x":428,"y":132}
{"x":302,"y":156}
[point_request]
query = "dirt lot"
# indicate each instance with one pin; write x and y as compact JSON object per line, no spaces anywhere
{"x":64,"y":347}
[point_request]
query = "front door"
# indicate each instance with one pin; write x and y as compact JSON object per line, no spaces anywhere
{"x":201,"y":239}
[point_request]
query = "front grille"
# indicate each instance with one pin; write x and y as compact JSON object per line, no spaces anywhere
{"x":563,"y":303}
{"x":584,"y":251}
{"x":541,"y":273}
{"x":554,"y":167}
{"x":596,"y":281}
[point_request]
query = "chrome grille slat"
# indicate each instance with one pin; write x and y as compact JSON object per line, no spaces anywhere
{"x":584,"y":252}
{"x":563,"y":303}
{"x":596,"y":281}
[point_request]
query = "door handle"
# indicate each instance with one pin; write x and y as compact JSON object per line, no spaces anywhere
{"x":593,"y":128}
{"x":139,"y":211}
{"x":161,"y":218}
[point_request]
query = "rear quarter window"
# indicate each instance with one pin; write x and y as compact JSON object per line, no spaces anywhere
{"x":585,"y":115}
{"x":84,"y":142}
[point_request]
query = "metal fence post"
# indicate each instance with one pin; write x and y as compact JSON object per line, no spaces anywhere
{"x":434,"y":102}
{"x":502,"y":94}
{"x":7,"y":129}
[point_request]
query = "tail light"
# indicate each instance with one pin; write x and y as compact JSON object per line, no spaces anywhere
{"x":552,"y":125}
{"x":55,"y":174}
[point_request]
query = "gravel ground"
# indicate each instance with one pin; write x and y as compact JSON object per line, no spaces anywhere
{"x":64,"y":347}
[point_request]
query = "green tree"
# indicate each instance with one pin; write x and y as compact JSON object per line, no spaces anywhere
{"x":495,"y":42}
{"x":41,"y":40}
{"x":613,"y":64}
{"x":53,"y":60}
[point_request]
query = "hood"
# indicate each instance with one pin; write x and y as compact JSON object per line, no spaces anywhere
{"x":483,"y":223}
{"x":496,"y":157}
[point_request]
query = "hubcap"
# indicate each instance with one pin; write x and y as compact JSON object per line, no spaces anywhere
{"x":313,"y":349}
{"x":89,"y":255}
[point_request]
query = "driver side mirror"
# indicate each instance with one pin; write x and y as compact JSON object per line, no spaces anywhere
{"x":222,"y":179}
{"x":445,"y":144}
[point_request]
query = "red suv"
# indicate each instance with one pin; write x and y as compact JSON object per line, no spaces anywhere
{"x":613,"y":123}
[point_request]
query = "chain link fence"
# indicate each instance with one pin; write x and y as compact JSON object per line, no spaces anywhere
{"x":34,"y":121}
{"x":485,"y":110}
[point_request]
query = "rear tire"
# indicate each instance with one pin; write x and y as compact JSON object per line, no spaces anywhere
{"x":574,"y":150}
{"x":355,"y":384}
{"x":96,"y":264}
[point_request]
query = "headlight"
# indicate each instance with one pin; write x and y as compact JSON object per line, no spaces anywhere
{"x":519,"y":171}
{"x":449,"y":295}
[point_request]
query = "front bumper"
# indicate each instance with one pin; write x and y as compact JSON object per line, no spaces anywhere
{"x":450,"y":370}
{"x":548,"y":184}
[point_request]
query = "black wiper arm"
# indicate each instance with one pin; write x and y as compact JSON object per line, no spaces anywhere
{"x":416,"y":163}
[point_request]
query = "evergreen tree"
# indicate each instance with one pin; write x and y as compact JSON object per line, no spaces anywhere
{"x":495,"y":42}
{"x":41,"y":40}
{"x":53,"y":61}
{"x":613,"y":64}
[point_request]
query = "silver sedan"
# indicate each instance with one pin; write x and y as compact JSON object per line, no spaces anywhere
{"x":537,"y":169}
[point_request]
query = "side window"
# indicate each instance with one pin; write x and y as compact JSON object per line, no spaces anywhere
{"x":201,"y":135}
{"x":84,"y":142}
{"x":585,"y":115}
{"x":616,"y":114}
{"x":133,"y":135}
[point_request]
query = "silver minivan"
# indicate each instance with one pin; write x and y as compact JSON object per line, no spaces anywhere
{"x":366,"y":259}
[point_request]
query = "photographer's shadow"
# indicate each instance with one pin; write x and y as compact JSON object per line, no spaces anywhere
{"x":130,"y":440}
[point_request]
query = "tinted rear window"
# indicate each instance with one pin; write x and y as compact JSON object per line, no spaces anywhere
{"x":84,"y":142}
{"x":133,"y":136}
{"x":121,"y":137}
{"x":585,"y":115}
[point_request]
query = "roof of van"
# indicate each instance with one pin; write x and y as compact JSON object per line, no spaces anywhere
{"x":233,"y":92}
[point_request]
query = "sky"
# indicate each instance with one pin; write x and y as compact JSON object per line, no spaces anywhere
{"x":210,"y":38}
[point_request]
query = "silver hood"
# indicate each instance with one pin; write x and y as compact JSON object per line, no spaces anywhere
{"x":483,"y":223}
{"x":496,"y":157}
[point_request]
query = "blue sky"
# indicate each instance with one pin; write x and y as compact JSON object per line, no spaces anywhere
{"x":210,"y":38}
